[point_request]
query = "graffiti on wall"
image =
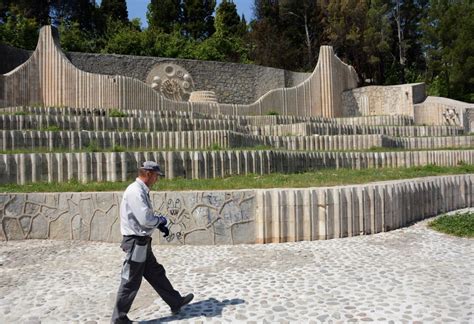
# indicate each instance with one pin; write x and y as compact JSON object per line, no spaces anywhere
{"x":214,"y":216}
{"x":197,"y":217}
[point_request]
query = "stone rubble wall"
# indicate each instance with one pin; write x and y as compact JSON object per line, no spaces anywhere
{"x":241,"y":216}
{"x":122,"y":166}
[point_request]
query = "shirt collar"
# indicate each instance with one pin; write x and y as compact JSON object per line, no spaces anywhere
{"x":143,"y":185}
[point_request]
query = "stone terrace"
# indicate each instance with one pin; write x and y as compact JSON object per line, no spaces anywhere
{"x":185,"y":144}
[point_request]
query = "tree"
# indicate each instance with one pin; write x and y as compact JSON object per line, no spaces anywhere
{"x":406,"y":18}
{"x":377,"y":41}
{"x":345,"y":24}
{"x":164,"y":15}
{"x":31,"y":9}
{"x":115,"y":9}
{"x":198,"y":21}
{"x":19,"y":31}
{"x":126,"y":38}
{"x":301,"y":24}
{"x":449,"y":45}
{"x":227,"y":21}
{"x":268,"y":47}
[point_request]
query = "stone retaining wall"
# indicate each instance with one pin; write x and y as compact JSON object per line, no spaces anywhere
{"x":72,"y":140}
{"x":195,"y":140}
{"x":111,"y":166}
{"x":288,"y":215}
{"x":417,"y":143}
{"x":241,"y":216}
{"x":304,"y":129}
{"x":279,"y":127}
{"x":102,"y":123}
{"x":396,"y":120}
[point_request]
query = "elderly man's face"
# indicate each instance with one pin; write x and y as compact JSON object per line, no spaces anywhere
{"x":151,"y":178}
{"x":154,"y":177}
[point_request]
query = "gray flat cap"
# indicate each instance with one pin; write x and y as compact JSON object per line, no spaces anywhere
{"x":152,"y":166}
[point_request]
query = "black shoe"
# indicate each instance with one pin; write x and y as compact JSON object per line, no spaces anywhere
{"x":124,"y":320}
{"x":184,"y":301}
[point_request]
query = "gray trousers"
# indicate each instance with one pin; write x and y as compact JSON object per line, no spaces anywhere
{"x":140,"y":262}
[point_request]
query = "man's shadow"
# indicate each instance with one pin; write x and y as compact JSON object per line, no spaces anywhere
{"x":209,"y":308}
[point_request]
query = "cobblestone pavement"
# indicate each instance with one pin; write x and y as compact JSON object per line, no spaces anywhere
{"x":407,"y":275}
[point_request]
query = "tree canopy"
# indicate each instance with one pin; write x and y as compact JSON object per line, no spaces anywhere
{"x":387,"y":41}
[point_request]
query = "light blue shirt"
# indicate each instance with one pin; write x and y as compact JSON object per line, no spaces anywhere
{"x":136,"y":211}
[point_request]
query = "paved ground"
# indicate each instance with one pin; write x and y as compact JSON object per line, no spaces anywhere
{"x":408,"y":275}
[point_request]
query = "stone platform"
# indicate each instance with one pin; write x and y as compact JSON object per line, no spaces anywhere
{"x":408,"y":275}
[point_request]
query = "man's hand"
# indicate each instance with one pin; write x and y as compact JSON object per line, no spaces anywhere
{"x":162,"y":221}
{"x":162,"y":227}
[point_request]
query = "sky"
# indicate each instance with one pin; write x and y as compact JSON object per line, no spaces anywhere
{"x":138,"y":8}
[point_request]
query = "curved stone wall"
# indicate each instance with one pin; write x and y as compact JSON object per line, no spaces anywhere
{"x":49,"y":78}
{"x":232,"y":83}
{"x":241,"y":216}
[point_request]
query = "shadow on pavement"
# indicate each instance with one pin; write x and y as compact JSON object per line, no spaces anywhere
{"x":209,"y":308}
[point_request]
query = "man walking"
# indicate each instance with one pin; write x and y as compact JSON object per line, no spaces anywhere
{"x":137,"y":223}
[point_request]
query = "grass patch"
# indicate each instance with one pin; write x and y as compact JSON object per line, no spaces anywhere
{"x":459,"y":224}
{"x":52,"y":128}
{"x":21,"y":113}
{"x":117,"y":113}
{"x":320,"y":178}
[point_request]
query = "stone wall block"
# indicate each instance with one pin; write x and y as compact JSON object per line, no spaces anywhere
{"x":322,"y":214}
{"x":261,"y":216}
{"x":276,"y":226}
{"x":288,"y":212}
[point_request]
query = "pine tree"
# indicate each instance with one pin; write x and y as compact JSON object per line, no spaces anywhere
{"x":449,"y":44}
{"x":345,"y":22}
{"x":301,"y":26}
{"x":198,"y":22}
{"x":115,"y":9}
{"x":164,"y":15}
{"x":377,"y":40}
{"x":32,"y":9}
{"x":227,"y":19}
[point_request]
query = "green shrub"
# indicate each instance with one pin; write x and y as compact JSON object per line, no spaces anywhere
{"x":92,"y":147}
{"x":117,"y":113}
{"x":118,"y":148}
{"x":272,"y":113}
{"x":21,"y":113}
{"x":215,"y":147}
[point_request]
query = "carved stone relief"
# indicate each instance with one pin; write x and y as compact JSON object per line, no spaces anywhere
{"x":194,"y":218}
{"x":451,"y":117}
{"x":208,"y":218}
{"x":171,"y":80}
